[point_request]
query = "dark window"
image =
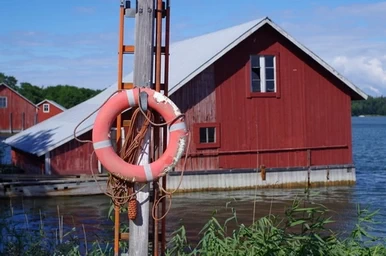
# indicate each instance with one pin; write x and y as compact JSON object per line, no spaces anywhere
{"x":207,"y":134}
{"x":263,"y":73}
{"x":3,"y":102}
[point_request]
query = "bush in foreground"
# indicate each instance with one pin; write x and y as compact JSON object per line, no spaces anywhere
{"x":302,"y":231}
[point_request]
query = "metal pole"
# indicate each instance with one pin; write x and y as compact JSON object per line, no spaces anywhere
{"x":157,"y":118}
{"x":164,"y":130}
{"x":119,"y":119}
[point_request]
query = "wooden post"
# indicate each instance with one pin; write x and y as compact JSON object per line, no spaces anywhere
{"x":22,"y":121}
{"x":10,"y":123}
{"x":143,"y":70}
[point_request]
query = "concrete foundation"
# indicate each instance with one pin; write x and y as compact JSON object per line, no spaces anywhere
{"x":250,"y":178}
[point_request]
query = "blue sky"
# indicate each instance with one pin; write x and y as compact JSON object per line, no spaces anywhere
{"x":75,"y":41}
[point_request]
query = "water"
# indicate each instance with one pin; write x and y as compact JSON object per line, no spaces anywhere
{"x":194,"y":209}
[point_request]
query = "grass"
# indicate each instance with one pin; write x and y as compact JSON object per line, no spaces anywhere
{"x":304,"y":229}
{"x":21,"y":235}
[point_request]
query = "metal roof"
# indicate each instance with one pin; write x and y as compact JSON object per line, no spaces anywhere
{"x":187,"y":59}
{"x":52,"y":103}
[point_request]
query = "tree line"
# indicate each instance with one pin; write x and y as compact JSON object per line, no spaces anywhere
{"x":66,"y":95}
{"x":371,"y":106}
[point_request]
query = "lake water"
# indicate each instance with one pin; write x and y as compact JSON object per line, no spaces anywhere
{"x":194,"y":209}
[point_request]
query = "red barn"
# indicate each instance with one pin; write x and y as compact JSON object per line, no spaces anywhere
{"x":17,"y":112}
{"x":47,"y":109}
{"x":262,"y":109}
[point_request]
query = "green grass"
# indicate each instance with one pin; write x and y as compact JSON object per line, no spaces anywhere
{"x":303,"y":229}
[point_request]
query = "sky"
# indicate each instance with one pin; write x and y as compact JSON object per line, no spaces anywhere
{"x":75,"y":42}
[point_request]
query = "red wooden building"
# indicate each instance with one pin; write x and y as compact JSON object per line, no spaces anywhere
{"x":253,"y":96}
{"x":17,"y":112}
{"x":48,"y":109}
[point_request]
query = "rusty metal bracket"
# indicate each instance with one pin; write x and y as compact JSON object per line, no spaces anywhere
{"x":263,"y":172}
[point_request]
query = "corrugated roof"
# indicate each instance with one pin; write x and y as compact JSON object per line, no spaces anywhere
{"x":187,"y":59}
{"x":52,"y":103}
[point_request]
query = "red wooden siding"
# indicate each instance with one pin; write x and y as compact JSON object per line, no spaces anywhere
{"x":31,"y":164}
{"x":19,"y":110}
{"x":74,"y":157}
{"x":44,"y":116}
{"x":196,"y":100}
{"x":308,"y":120}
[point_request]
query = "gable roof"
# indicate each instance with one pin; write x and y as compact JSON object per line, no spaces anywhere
{"x":5,"y":85}
{"x":52,"y":103}
{"x":185,"y":64}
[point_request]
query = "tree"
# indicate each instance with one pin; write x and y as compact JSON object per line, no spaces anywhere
{"x":371,"y":106}
{"x":9,"y":80}
{"x":31,"y":92}
{"x":67,"y":95}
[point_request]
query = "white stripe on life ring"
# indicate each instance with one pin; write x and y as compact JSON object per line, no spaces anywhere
{"x":102,"y":144}
{"x":148,"y":172}
{"x":178,"y":126}
{"x":130,"y":98}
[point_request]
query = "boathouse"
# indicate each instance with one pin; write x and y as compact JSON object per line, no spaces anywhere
{"x":262,"y":110}
{"x":16,"y":111}
{"x":48,"y":108}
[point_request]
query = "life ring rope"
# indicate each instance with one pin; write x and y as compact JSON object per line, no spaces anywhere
{"x":177,"y":132}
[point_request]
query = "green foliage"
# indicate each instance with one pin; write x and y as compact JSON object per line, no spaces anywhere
{"x":371,"y":106}
{"x":31,"y":92}
{"x":302,"y":231}
{"x":8,"y":80}
{"x":66,"y":95}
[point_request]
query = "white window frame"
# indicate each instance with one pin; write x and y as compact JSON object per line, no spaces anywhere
{"x":48,"y":108}
{"x":5,"y":102}
{"x":263,"y":82}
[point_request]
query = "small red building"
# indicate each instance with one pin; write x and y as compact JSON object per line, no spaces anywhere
{"x":253,"y":96}
{"x":47,"y":109}
{"x":17,"y":112}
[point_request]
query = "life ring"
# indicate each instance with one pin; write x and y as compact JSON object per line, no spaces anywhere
{"x":105,"y":152}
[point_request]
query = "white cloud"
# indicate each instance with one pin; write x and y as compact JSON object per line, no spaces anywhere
{"x":375,"y":90}
{"x":368,"y":71}
{"x":351,"y":38}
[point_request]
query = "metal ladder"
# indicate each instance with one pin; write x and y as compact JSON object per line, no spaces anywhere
{"x":162,"y":11}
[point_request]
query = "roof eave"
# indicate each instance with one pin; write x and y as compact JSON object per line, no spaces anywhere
{"x":30,"y":102}
{"x":63,"y":141}
{"x":354,"y":88}
{"x":221,"y":53}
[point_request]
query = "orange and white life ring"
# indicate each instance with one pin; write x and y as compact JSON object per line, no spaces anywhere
{"x":102,"y":143}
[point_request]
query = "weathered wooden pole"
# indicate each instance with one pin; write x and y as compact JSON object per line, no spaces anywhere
{"x":143,"y":70}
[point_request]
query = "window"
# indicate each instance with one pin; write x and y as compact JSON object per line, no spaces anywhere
{"x":46,"y":108}
{"x":3,"y":102}
{"x":207,"y":135}
{"x":263,"y":74}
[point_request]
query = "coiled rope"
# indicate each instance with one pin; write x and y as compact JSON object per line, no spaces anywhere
{"x":122,"y":191}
